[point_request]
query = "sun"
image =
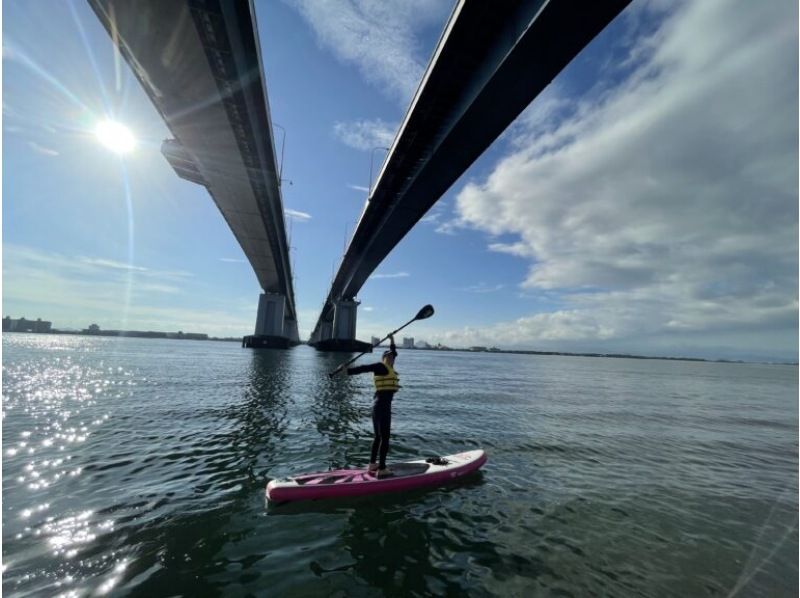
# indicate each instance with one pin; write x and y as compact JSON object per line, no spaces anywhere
{"x":115,"y":136}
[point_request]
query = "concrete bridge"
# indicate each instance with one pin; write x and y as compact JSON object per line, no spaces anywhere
{"x":199,"y":62}
{"x":492,"y":60}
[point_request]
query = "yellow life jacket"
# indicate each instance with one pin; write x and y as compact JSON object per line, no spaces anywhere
{"x":390,"y":381}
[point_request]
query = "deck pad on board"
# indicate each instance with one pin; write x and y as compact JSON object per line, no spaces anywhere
{"x":359,"y":475}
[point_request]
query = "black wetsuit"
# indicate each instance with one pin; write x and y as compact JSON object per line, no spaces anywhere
{"x":381,"y":411}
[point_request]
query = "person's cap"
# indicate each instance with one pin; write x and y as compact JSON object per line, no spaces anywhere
{"x":387,"y":354}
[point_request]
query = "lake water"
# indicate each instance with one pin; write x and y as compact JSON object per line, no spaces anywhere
{"x":138,"y":467}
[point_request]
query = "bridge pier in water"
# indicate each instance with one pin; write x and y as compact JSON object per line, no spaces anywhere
{"x":340,"y":334}
{"x":274,"y":330}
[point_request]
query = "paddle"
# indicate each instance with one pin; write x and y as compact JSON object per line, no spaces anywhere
{"x":425,"y":312}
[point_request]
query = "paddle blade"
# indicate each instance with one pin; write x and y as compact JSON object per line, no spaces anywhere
{"x":425,"y":312}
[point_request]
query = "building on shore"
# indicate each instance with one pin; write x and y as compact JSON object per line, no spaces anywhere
{"x":23,"y":325}
{"x":375,"y":341}
{"x":408,"y":342}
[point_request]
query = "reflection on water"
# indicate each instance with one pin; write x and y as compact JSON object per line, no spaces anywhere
{"x":262,"y":415}
{"x":234,"y":468}
{"x":137,"y":466}
{"x":338,"y":411}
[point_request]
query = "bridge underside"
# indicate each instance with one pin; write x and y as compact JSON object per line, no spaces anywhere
{"x":493,"y":59}
{"x":199,"y":62}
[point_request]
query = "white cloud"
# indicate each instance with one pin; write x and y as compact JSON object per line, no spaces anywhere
{"x":42,"y":149}
{"x":482,"y":288}
{"x":359,"y":188}
{"x":22,"y":265}
{"x":443,"y":222}
{"x":366,"y":135}
{"x":519,"y":249}
{"x":157,"y":288}
{"x":395,"y":275}
{"x":448,"y":227}
{"x":104,"y":263}
{"x":80,"y":266}
{"x":666,"y":204}
{"x":379,"y":38}
{"x":75,"y":291}
{"x":296,"y":215}
{"x":232,"y":260}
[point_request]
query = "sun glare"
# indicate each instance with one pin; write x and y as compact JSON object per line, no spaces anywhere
{"x":115,"y":136}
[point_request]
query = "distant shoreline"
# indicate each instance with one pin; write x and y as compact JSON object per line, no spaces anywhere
{"x":609,"y":355}
{"x":196,"y":337}
{"x":189,"y":336}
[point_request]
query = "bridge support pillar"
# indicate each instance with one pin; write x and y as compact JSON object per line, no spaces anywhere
{"x":344,"y":319}
{"x":273,"y":329}
{"x":340,"y":335}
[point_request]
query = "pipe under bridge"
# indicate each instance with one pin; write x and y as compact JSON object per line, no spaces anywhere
{"x":199,"y":62}
{"x":492,"y":60}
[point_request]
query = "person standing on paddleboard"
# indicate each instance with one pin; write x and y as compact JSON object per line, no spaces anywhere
{"x":387,"y":383}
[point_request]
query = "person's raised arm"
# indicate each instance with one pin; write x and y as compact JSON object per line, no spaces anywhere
{"x":375,"y":368}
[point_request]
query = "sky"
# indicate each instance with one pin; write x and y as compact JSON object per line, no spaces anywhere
{"x":646,"y":202}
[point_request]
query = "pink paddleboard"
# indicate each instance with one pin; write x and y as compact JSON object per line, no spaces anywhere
{"x":357,"y":482}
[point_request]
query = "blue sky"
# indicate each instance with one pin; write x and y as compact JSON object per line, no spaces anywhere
{"x":645,"y":202}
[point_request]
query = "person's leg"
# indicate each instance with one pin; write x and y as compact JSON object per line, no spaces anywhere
{"x":385,"y":422}
{"x":376,"y":440}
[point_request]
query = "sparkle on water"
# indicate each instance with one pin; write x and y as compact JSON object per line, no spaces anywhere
{"x":115,"y":136}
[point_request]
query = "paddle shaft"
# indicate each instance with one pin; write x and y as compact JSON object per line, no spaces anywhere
{"x":346,"y":363}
